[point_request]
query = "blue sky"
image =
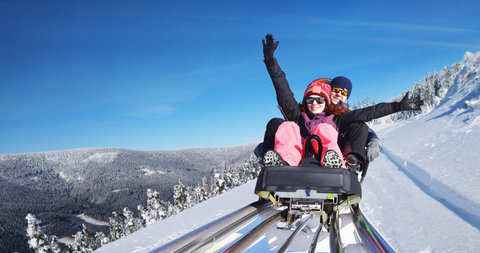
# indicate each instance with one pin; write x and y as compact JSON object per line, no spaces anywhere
{"x":160,"y":75}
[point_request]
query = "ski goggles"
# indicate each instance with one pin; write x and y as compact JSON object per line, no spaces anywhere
{"x":320,"y":100}
{"x":340,"y":90}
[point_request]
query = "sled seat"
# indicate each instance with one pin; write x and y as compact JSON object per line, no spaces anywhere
{"x":308,"y":176}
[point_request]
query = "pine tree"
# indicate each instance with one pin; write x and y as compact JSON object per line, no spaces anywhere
{"x":181,"y":196}
{"x":38,"y":241}
{"x":155,"y":207}
{"x":144,"y":215}
{"x":171,"y":210}
{"x":234,"y":176}
{"x":115,"y":226}
{"x":206,"y":190}
{"x":101,"y":239}
{"x":54,"y":248}
{"x":84,"y":242}
{"x":131,"y":224}
{"x":218,"y":183}
{"x":197,"y":194}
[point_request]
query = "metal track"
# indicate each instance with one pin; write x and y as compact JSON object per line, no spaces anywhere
{"x":215,"y":229}
{"x":335,"y":239}
{"x":314,"y":243}
{"x":290,"y":238}
{"x":255,"y":233}
{"x":370,"y":236}
{"x":208,"y":237}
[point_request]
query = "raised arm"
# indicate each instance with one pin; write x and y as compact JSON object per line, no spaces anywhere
{"x":285,"y":96}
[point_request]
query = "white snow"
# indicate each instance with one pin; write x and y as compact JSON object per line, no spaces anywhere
{"x":422,"y":193}
{"x":105,"y":157}
{"x":91,"y":220}
{"x":120,"y":190}
{"x":150,"y":171}
{"x":173,"y":227}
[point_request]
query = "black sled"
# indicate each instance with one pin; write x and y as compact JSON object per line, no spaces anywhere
{"x":309,"y":187}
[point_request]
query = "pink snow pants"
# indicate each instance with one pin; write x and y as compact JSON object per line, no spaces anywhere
{"x":289,"y":143}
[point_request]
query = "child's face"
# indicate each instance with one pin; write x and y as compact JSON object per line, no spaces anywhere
{"x":315,"y":107}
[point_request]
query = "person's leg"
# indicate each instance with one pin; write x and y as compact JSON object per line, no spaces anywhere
{"x":288,"y":143}
{"x":270,"y":131}
{"x":330,"y":151}
{"x":356,"y":138}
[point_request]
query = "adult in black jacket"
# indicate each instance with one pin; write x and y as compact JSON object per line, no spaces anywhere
{"x":355,"y":138}
{"x":293,"y":111}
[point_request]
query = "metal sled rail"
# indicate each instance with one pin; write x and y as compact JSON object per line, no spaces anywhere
{"x":242,"y":244}
{"x":216,"y":236}
{"x":289,"y":240}
{"x":370,"y":236}
{"x":205,"y":235}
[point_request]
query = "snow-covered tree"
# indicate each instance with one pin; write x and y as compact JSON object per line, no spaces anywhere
{"x":54,"y":248}
{"x":115,"y":226}
{"x":182,"y":197}
{"x":251,"y":168}
{"x":218,"y":183}
{"x":155,"y":209}
{"x":101,"y":239}
{"x":206,"y":191}
{"x":197,"y":194}
{"x":235,"y":176}
{"x":171,"y":210}
{"x":84,"y":241}
{"x":144,"y":215}
{"x":37,"y":240}
{"x":131,"y":224}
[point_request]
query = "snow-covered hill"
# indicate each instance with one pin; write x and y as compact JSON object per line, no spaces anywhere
{"x":421,"y":193}
{"x":58,"y":186}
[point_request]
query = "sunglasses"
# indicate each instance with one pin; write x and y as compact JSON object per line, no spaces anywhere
{"x":320,"y":100}
{"x":340,"y":90}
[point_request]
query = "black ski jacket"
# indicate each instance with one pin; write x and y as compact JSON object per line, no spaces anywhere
{"x":291,"y":110}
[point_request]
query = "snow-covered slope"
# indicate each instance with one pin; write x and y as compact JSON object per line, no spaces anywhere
{"x":421,"y":193}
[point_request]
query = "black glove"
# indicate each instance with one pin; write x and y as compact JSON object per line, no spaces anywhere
{"x":408,"y":104}
{"x":269,"y":46}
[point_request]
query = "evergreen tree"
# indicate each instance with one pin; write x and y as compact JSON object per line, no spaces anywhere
{"x":54,"y":248}
{"x":101,"y":239}
{"x":197,"y":194}
{"x":206,"y":191}
{"x":218,"y":183}
{"x":37,"y":240}
{"x":132,"y":224}
{"x":115,"y":226}
{"x":155,"y":208}
{"x":251,"y":168}
{"x":235,"y":176}
{"x":84,"y":242}
{"x":171,"y":210}
{"x":144,"y":215}
{"x":182,"y":197}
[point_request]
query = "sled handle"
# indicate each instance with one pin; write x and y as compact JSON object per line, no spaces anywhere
{"x":309,"y":145}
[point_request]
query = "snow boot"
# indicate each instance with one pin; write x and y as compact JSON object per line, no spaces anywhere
{"x":273,"y":158}
{"x":332,"y":160}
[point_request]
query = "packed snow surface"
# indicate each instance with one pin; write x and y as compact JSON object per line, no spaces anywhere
{"x":421,"y":193}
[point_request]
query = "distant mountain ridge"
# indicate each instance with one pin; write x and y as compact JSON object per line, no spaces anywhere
{"x":58,"y":185}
